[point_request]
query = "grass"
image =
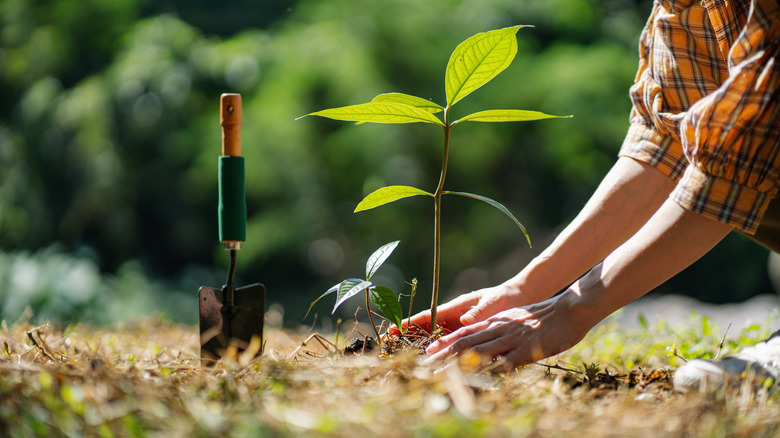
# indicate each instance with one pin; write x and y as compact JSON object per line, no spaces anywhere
{"x":144,"y":379}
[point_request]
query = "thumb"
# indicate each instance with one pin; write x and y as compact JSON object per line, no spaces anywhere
{"x":475,"y":314}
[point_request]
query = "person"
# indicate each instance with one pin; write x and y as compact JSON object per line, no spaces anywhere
{"x":701,"y":158}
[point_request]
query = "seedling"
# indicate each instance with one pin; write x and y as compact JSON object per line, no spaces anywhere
{"x":383,"y":298}
{"x":474,"y":63}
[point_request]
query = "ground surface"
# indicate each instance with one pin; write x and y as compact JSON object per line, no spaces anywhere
{"x":677,"y":310}
{"x":144,"y":379}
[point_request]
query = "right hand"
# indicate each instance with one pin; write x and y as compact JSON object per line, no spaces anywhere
{"x":521,"y":335}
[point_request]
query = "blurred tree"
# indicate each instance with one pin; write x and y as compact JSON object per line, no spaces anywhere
{"x":224,"y":18}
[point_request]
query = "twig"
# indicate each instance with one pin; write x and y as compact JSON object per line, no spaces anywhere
{"x":318,"y":338}
{"x":558,"y":367}
{"x":322,"y":340}
{"x":425,"y":332}
{"x":722,"y":341}
{"x":41,"y":345}
{"x":21,"y":366}
{"x":365,"y":342}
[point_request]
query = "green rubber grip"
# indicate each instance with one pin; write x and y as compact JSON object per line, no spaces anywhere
{"x":232,"y":199}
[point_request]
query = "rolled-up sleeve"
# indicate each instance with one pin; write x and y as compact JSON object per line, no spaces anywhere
{"x":680,"y":62}
{"x":731,"y":137}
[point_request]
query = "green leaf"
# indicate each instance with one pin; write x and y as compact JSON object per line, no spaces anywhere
{"x":327,"y":292}
{"x":506,"y":116}
{"x":349,"y":288}
{"x":378,"y":112}
{"x":497,"y":205}
{"x":386,"y":302}
{"x":478,"y":60}
{"x":378,"y":257}
{"x":386,"y":195}
{"x":408,"y":99}
{"x":643,"y":321}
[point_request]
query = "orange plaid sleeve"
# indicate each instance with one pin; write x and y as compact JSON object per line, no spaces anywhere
{"x":705,"y":105}
{"x":732,"y":136}
{"x":680,"y":62}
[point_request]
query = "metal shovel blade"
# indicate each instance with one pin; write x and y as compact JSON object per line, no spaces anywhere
{"x":225,"y":325}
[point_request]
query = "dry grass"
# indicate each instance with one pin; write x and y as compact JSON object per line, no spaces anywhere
{"x":144,"y":379}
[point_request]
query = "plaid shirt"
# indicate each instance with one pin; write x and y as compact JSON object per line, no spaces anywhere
{"x":706,"y":105}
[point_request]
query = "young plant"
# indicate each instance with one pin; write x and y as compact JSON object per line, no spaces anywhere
{"x":381,"y":297}
{"x":474,"y":63}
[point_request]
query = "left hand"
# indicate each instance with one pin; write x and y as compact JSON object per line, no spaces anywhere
{"x":521,"y":335}
{"x":469,"y":308}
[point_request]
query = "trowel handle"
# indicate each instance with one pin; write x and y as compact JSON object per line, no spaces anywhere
{"x":232,"y":198}
{"x":230,"y":119}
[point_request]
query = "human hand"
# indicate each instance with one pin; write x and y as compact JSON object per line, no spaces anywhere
{"x":521,"y":335}
{"x":448,"y":314}
{"x":471,"y":307}
{"x":493,"y":300}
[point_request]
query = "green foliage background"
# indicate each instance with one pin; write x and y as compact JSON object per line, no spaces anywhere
{"x":109,"y":137}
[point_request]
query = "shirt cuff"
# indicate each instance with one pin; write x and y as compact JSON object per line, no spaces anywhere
{"x":661,"y":151}
{"x":739,"y":206}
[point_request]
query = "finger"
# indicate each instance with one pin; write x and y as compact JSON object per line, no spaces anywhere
{"x":461,"y":338}
{"x":422,"y":320}
{"x":395,"y":331}
{"x":487,"y":306}
{"x":472,"y":342}
{"x":446,"y":341}
{"x":475,"y":314}
{"x":448,"y":314}
{"x":495,"y":346}
{"x":438,"y":357}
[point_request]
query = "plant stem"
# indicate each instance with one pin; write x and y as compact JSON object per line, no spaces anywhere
{"x":437,"y":220}
{"x":411,"y":303}
{"x":371,"y":318}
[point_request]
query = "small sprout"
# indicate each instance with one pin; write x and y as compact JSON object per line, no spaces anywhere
{"x":674,"y":352}
{"x":383,"y":298}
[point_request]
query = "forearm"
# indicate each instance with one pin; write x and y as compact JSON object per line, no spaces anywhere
{"x":626,"y":198}
{"x":672,"y":240}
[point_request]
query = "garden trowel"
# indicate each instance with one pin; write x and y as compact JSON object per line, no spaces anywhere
{"x":231,"y":318}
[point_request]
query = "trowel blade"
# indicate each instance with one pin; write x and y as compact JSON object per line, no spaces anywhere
{"x":219,"y":330}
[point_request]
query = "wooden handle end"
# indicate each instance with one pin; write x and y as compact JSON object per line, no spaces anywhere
{"x":230,"y":118}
